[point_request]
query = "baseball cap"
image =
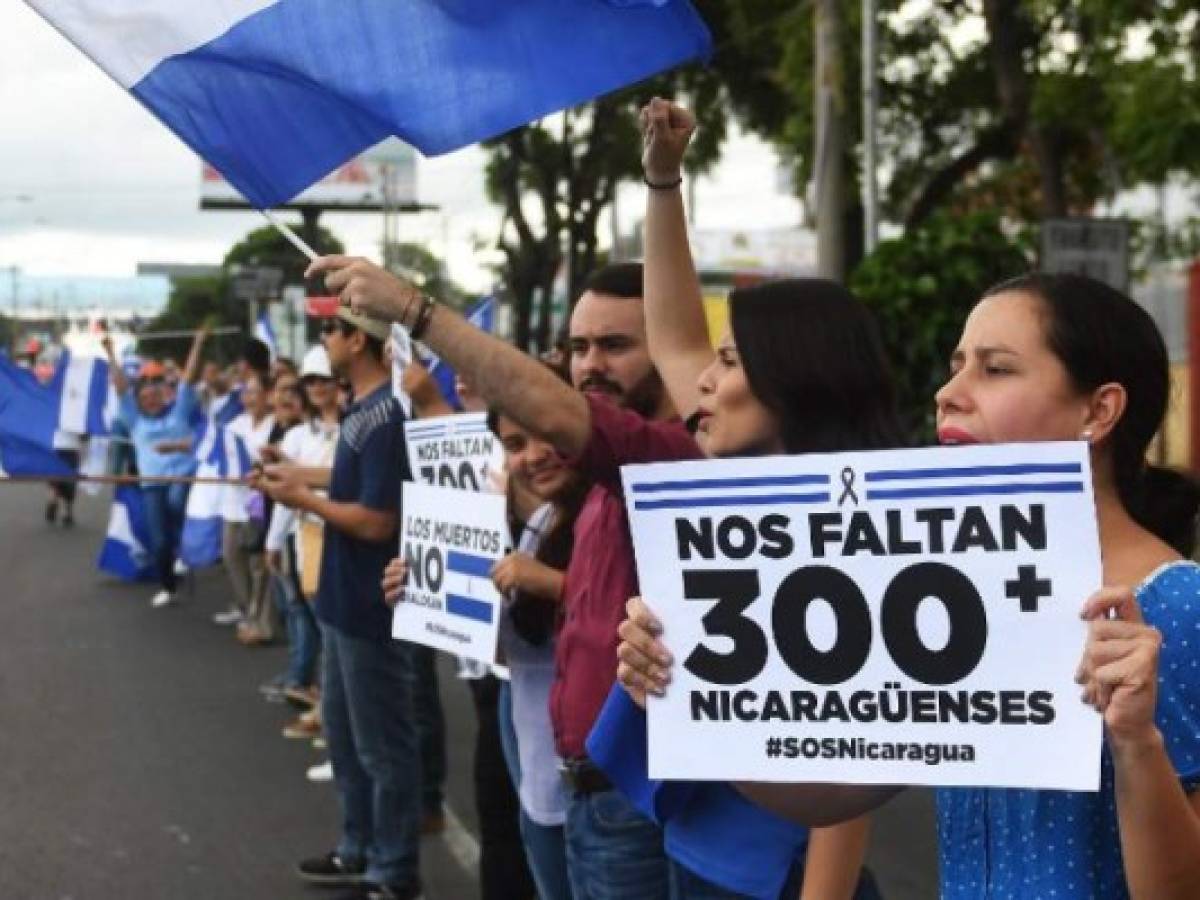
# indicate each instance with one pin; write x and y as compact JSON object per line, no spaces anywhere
{"x":152,"y":369}
{"x":316,"y":362}
{"x":376,"y":328}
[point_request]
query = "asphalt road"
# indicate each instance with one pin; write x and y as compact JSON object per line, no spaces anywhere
{"x":138,"y":760}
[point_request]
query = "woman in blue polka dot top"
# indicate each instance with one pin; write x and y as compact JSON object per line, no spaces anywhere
{"x":1063,"y":357}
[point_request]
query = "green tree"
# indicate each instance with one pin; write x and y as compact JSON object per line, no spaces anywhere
{"x":199,"y":299}
{"x":267,"y":247}
{"x":553,"y":179}
{"x":921,"y":287}
{"x":416,"y":263}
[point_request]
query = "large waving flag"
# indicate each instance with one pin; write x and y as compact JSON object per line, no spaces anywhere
{"x":126,"y":549}
{"x":278,"y":93}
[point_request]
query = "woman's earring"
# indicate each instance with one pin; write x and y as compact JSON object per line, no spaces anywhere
{"x":1087,"y":435}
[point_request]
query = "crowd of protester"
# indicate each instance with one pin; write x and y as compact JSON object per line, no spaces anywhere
{"x":566,"y":807}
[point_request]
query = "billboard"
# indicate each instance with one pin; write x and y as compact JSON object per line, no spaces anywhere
{"x":384,"y":177}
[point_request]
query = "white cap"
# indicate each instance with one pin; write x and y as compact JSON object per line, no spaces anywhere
{"x":316,"y":362}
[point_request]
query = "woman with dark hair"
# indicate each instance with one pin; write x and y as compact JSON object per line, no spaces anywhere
{"x":801,"y":369}
{"x":1063,"y":357}
{"x":545,"y":497}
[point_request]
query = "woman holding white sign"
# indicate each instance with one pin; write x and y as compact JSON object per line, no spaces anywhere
{"x":801,"y":370}
{"x":544,"y":498}
{"x":1063,"y":357}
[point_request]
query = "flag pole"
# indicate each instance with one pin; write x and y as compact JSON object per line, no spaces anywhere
{"x":122,"y":479}
{"x":292,"y":238}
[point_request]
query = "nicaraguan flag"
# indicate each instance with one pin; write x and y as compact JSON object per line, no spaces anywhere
{"x":278,"y":93}
{"x":483,"y":316}
{"x":126,"y":550}
{"x":265,"y":333}
{"x":29,"y":415}
{"x":87,"y":402}
{"x":219,"y":454}
{"x":200,"y":540}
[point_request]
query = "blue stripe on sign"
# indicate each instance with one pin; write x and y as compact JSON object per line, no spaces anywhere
{"x":764,"y":500}
{"x":468,"y":564}
{"x":978,"y":490}
{"x":718,"y":483}
{"x":424,"y":429}
{"x":976,"y":471}
{"x":469,"y":608}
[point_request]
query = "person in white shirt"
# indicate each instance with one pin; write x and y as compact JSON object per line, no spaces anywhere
{"x":242,"y":538}
{"x":311,"y":443}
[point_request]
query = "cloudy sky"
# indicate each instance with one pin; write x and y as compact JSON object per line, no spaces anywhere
{"x":91,"y":184}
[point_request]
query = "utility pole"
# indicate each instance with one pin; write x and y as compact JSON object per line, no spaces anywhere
{"x":828,"y":171}
{"x":870,"y":105}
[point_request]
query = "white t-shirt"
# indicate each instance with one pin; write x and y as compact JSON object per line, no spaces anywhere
{"x":234,"y":496}
{"x":310,"y":443}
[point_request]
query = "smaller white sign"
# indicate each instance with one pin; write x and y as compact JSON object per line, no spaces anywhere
{"x":454,"y":451}
{"x":450,"y":540}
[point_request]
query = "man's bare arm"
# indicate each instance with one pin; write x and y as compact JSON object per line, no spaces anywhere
{"x":506,"y":378}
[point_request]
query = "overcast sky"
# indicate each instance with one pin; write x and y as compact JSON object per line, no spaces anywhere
{"x":91,"y":184}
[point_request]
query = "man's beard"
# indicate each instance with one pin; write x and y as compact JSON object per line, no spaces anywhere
{"x":643,"y":397}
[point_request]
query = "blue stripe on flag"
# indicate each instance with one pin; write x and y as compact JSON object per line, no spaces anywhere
{"x":747,"y":500}
{"x":976,"y":471}
{"x":978,"y":490}
{"x":29,"y":413}
{"x":469,"y":608}
{"x":703,"y":484}
{"x":469,"y":564}
{"x":125,"y":552}
{"x":276,"y":102}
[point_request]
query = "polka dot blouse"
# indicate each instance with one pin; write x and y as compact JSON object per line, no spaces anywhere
{"x":1004,"y":844}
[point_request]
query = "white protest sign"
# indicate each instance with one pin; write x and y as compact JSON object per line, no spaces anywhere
{"x":454,"y":451}
{"x":894,"y":617}
{"x":451,"y":539}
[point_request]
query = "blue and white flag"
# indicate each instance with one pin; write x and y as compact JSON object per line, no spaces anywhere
{"x":29,"y":416}
{"x":265,"y":333}
{"x":483,"y":316}
{"x":200,"y":540}
{"x":220,"y":454}
{"x":126,"y":549}
{"x":278,"y":93}
{"x":87,"y":401}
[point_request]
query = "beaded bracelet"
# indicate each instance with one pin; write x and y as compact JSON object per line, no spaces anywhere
{"x":424,"y":315}
{"x":664,"y":185}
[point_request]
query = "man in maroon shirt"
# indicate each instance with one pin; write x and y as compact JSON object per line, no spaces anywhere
{"x":621,"y":414}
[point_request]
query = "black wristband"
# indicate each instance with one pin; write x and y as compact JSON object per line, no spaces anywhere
{"x":663,"y":186}
{"x":424,"y":314}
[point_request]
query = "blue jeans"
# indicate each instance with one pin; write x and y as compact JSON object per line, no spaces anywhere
{"x":165,"y":505}
{"x":686,"y":885}
{"x":367,"y":706}
{"x":431,"y":726}
{"x":304,"y":640}
{"x":545,"y":845}
{"x":613,"y":851}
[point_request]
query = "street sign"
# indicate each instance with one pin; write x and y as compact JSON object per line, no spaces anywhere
{"x":1098,"y":248}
